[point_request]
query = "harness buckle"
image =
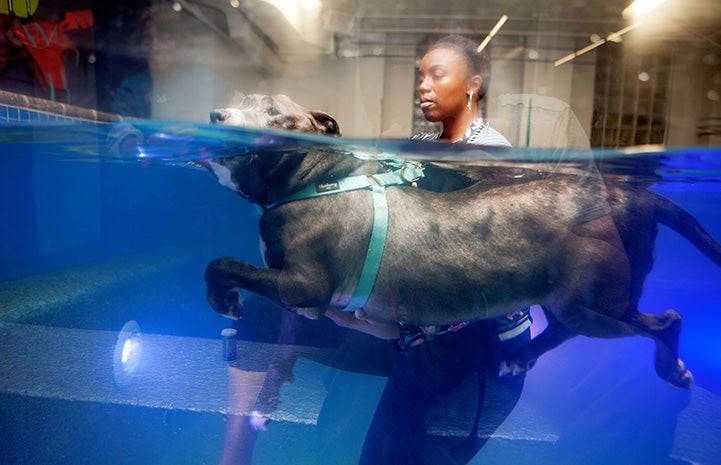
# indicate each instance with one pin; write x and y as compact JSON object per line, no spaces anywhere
{"x":415,"y":169}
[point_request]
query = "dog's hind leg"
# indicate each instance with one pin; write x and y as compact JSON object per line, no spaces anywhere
{"x":606,"y":305}
{"x":597,"y":301}
{"x":665,"y":329}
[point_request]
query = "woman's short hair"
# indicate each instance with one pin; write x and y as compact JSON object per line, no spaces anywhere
{"x":478,"y":62}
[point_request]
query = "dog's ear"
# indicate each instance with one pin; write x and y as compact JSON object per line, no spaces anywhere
{"x":326,"y":123}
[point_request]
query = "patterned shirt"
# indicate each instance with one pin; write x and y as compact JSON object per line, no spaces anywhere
{"x":479,"y":133}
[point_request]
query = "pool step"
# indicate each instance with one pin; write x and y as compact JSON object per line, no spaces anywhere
{"x":568,"y":409}
{"x":179,"y":373}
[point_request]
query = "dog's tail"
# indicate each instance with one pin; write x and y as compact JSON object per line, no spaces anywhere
{"x":670,"y":214}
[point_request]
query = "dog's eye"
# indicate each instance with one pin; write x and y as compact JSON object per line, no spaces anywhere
{"x":272,"y":111}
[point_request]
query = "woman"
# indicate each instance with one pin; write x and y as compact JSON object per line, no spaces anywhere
{"x":453,"y":80}
{"x":436,"y":361}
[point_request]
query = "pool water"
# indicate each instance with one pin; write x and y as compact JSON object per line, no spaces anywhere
{"x":90,"y":241}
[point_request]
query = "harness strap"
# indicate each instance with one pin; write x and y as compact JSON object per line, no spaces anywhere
{"x":377,"y":244}
{"x":376,"y":183}
{"x":408,"y":173}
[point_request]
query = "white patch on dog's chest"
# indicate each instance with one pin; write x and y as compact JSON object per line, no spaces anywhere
{"x":263,"y":250}
{"x":224,"y":176}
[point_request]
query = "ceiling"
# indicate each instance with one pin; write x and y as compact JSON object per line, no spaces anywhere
{"x":288,"y":29}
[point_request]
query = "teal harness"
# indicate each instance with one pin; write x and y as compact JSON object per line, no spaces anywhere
{"x":409,"y":172}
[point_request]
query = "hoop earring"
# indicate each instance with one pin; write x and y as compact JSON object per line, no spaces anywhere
{"x":470,"y":99}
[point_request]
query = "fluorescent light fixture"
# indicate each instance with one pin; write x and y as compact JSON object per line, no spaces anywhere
{"x":306,"y":18}
{"x":493,"y":32}
{"x":636,"y":9}
{"x":612,"y":37}
{"x":299,"y":13}
{"x":640,"y":7}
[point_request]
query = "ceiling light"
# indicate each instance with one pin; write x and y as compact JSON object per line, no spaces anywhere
{"x":640,"y":7}
{"x":612,"y":37}
{"x":493,"y":32}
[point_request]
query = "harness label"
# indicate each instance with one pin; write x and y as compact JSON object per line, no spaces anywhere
{"x":327,"y":187}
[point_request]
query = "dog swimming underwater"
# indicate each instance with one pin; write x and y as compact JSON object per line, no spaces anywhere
{"x":372,"y":243}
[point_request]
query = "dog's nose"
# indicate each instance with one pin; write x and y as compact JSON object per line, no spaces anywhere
{"x":218,"y":116}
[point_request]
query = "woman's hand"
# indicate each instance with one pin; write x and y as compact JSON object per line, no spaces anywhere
{"x":359,"y":322}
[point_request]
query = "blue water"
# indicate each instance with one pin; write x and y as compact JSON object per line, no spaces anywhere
{"x":90,"y":239}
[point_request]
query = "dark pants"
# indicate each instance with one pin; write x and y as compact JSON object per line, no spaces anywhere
{"x":428,"y":377}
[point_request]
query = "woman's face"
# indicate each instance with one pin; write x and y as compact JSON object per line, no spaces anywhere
{"x":159,"y":51}
{"x":443,"y":84}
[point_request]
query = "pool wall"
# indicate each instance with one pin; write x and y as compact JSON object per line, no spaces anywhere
{"x":59,"y":213}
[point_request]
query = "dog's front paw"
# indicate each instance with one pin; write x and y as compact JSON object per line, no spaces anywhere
{"x":222,"y":294}
{"x":515,"y":367}
{"x":226,"y":300}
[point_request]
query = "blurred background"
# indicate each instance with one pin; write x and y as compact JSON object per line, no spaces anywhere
{"x":629,"y":78}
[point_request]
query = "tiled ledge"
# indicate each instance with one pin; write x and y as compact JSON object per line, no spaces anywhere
{"x":17,"y":107}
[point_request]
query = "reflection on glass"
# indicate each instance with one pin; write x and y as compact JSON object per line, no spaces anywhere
{"x":115,"y":208}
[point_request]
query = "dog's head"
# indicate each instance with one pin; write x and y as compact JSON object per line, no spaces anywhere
{"x":270,"y":175}
{"x":274,"y":112}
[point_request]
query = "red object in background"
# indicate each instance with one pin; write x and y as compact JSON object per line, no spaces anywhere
{"x":46,"y":41}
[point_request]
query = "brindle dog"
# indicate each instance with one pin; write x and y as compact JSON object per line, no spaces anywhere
{"x":576,"y":245}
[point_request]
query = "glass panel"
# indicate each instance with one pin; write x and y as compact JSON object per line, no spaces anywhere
{"x":435,"y":226}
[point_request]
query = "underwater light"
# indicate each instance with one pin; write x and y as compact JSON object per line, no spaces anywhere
{"x":128,"y":351}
